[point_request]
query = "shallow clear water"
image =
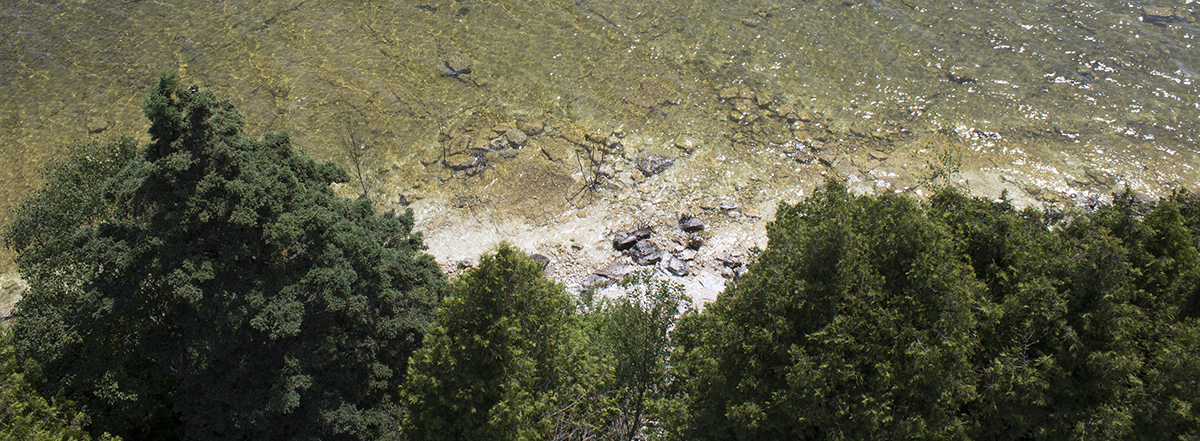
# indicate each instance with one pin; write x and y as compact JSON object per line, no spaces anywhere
{"x":1068,"y":96}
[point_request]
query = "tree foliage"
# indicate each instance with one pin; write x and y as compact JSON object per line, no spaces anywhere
{"x":632,"y":332}
{"x":854,"y":323}
{"x":212,"y":286}
{"x":24,"y":413}
{"x":505,"y":361}
{"x":870,"y":317}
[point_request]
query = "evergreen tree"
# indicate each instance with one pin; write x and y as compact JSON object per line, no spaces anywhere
{"x":212,"y":286}
{"x":506,"y":360}
{"x":854,"y":323}
{"x":632,"y":332}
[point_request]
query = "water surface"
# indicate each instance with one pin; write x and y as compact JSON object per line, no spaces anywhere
{"x":1048,"y":98}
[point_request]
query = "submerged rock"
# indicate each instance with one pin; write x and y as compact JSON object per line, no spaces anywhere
{"x":515,"y":137}
{"x":654,"y":164}
{"x":463,"y":161}
{"x":458,"y":63}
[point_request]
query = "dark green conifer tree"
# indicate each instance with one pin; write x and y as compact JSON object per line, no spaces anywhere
{"x":854,"y":323}
{"x":212,"y":286}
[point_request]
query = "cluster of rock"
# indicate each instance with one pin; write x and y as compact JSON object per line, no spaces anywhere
{"x":644,"y":250}
{"x":469,"y":149}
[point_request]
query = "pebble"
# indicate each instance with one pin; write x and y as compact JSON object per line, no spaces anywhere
{"x":691,"y":224}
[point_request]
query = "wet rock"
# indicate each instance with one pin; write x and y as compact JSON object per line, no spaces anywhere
{"x":645,"y":252}
{"x":462,"y":161}
{"x":532,"y":128}
{"x":543,"y":260}
{"x":498,"y":144}
{"x":728,"y":204}
{"x":615,"y":270}
{"x":405,"y":199}
{"x":554,"y":149}
{"x":516,"y":138}
{"x":597,"y":280}
{"x":657,"y":91}
{"x":573,"y":134}
{"x":624,"y":240}
{"x":606,"y":170}
{"x":97,"y":125}
{"x":597,"y":137}
{"x":678,"y":267}
{"x":654,"y":164}
{"x":458,"y":64}
{"x":690,"y":224}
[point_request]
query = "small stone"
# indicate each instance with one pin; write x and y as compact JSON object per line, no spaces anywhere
{"x":597,"y":280}
{"x":687,"y":254}
{"x":690,"y":224}
{"x":645,"y":252}
{"x":763,"y":99}
{"x":654,"y":164}
{"x":515,"y":137}
{"x":97,"y":125}
{"x":686,"y":145}
{"x":573,"y":134}
{"x":462,"y":161}
{"x":642,"y":233}
{"x":532,"y":128}
{"x":623,"y":240}
{"x":543,"y":260}
{"x":458,"y":63}
{"x":606,"y":170}
{"x":678,"y":267}
{"x":728,"y":204}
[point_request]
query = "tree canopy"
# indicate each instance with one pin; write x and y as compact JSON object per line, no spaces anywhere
{"x":211,"y":285}
{"x":506,"y":359}
{"x":954,"y":318}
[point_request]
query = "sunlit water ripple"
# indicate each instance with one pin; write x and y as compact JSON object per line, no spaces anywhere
{"x":1068,"y":97}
